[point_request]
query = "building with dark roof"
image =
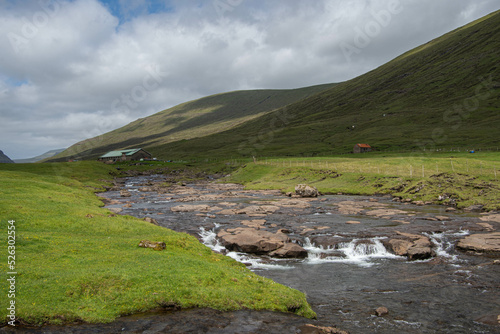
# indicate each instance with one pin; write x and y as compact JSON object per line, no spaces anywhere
{"x":125,"y":155}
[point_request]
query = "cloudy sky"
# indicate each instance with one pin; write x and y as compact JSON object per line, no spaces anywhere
{"x":73,"y":69}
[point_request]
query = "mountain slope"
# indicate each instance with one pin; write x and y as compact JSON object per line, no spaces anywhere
{"x":5,"y":159}
{"x":40,"y":157}
{"x":192,"y":119}
{"x":441,"y":94}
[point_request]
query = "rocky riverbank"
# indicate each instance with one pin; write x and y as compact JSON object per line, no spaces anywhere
{"x":277,"y":234}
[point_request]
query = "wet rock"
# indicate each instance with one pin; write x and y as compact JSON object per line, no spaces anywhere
{"x":490,"y":319}
{"x":491,"y":218}
{"x":295,"y":203}
{"x":398,"y":246}
{"x":351,"y":207}
{"x":328,"y":242}
{"x":486,"y":226}
{"x":258,"y":210}
{"x":125,"y":193}
{"x":450,"y":209}
{"x":304,"y":190}
{"x":307,"y":229}
{"x":155,"y":245}
{"x":256,"y":223}
{"x":381,"y":213}
{"x":190,"y":208}
{"x":381,"y":311}
{"x":352,"y":222}
{"x":311,"y":329}
{"x":250,"y":240}
{"x":414,"y":246}
{"x":488,"y":243}
{"x":290,"y":250}
{"x":474,"y":208}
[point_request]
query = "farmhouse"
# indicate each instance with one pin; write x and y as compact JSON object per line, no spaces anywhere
{"x":126,"y":155}
{"x":362,"y":148}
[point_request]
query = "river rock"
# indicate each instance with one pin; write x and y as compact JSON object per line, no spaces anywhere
{"x":125,"y":193}
{"x":381,"y":311}
{"x":491,"y":218}
{"x":381,"y":213}
{"x":250,"y":240}
{"x":474,"y":208}
{"x":304,"y":190}
{"x":258,"y":210}
{"x":311,"y":329}
{"x":398,"y":246}
{"x":413,"y":246}
{"x":190,"y":208}
{"x":488,"y":243}
{"x":290,"y":250}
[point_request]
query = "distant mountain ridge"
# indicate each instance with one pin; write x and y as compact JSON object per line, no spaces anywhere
{"x":40,"y":157}
{"x":5,"y":159}
{"x":189,"y":120}
{"x":444,"y":93}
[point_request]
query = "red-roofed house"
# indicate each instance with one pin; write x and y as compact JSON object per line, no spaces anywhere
{"x":362,"y":148}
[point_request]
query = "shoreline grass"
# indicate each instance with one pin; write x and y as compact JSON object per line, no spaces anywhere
{"x":78,"y":262}
{"x":460,"y":179}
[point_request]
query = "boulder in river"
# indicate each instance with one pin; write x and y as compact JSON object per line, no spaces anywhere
{"x":250,"y":240}
{"x":488,"y":243}
{"x":125,"y":193}
{"x":413,"y":246}
{"x":304,"y":190}
{"x":381,"y":311}
{"x":312,"y":329}
{"x":289,"y":250}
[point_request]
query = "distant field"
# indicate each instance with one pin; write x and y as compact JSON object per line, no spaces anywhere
{"x":407,"y":165}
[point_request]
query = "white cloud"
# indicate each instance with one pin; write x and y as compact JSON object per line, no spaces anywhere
{"x":71,"y":70}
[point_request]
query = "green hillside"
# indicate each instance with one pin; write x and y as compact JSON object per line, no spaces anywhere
{"x":192,"y":119}
{"x":439,"y":95}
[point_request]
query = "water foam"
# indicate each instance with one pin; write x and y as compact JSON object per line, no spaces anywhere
{"x":209,"y":238}
{"x":361,"y":252}
{"x":443,"y":245}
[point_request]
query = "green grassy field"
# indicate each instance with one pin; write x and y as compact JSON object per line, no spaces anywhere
{"x":462,"y":179}
{"x":75,"y":261}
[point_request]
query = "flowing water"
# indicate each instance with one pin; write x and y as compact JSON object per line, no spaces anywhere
{"x":450,"y":293}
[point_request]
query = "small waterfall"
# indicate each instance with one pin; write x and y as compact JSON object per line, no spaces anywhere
{"x":209,"y":238}
{"x":359,"y":252}
{"x":444,"y":244}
